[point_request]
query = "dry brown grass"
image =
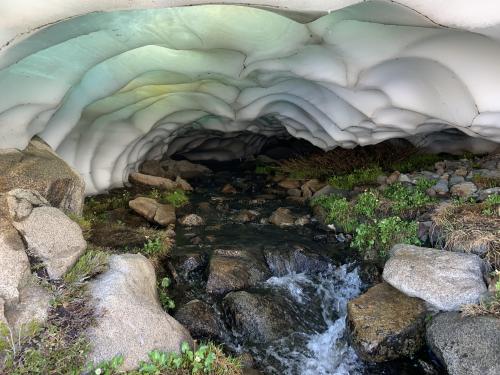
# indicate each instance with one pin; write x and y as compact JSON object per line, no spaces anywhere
{"x":465,"y":227}
{"x":484,"y":308}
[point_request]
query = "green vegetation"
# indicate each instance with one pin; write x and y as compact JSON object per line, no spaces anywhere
{"x":206,"y":359}
{"x":487,"y":306}
{"x":382,"y":235}
{"x":491,"y":204}
{"x":360,"y":177}
{"x":265,"y":169}
{"x":176,"y":198}
{"x":338,"y":211}
{"x":167,"y":302}
{"x":152,"y":246}
{"x":93,"y":262}
{"x":96,"y":207}
{"x":367,"y":204}
{"x":405,"y":198}
{"x":416,"y":162}
{"x":485,"y":182}
{"x":85,"y":223}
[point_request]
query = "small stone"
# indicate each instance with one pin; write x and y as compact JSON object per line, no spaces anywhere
{"x":441,"y":187}
{"x":302,"y":220}
{"x":461,"y":172}
{"x":289,"y":184}
{"x":454,"y":180}
{"x":229,"y":189}
{"x":463,"y":190}
{"x":183,"y":184}
{"x":245,"y":216}
{"x":282,"y":217}
{"x":385,"y":324}
{"x":294,"y":192}
{"x":163,"y":214}
{"x":154,"y":181}
{"x":192,"y":220}
{"x":404,"y":178}
{"x":393,"y":177}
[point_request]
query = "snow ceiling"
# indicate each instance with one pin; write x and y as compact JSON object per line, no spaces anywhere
{"x":110,"y":83}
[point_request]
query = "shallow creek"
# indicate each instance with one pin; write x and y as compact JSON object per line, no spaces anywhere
{"x":314,"y":301}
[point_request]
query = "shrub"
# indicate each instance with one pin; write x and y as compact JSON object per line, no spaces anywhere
{"x":359,"y":177}
{"x":405,"y":198}
{"x":367,"y":204}
{"x":382,"y":235}
{"x":338,"y":211}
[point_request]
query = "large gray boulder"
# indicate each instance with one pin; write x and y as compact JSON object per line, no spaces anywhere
{"x":53,"y":238}
{"x":446,"y":280}
{"x":184,"y":169}
{"x":39,"y":168}
{"x":466,"y":345}
{"x":130,"y":320}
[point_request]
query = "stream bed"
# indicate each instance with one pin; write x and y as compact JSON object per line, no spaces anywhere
{"x":291,"y":319}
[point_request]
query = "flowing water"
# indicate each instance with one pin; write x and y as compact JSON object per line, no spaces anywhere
{"x":319,"y":344}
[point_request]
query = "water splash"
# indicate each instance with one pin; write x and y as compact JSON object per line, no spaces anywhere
{"x":321,"y":351}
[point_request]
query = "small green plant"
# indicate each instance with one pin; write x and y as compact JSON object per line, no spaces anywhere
{"x":367,"y":204}
{"x":110,"y":367}
{"x":167,"y":302}
{"x":264,"y":169}
{"x":404,"y":198}
{"x":176,"y":198}
{"x":382,"y":235}
{"x":338,"y":211}
{"x":359,"y":177}
{"x":94,"y":261}
{"x":490,"y":204}
{"x":206,"y":359}
{"x":153,"y":246}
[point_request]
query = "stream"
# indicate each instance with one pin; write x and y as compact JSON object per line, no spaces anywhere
{"x":312,"y":293}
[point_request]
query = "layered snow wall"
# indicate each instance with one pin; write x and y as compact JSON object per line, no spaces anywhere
{"x":109,"y":89}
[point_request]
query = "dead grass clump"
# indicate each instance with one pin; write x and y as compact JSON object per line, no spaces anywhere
{"x":465,"y":227}
{"x":484,"y":308}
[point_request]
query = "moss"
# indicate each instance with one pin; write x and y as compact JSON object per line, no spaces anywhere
{"x":176,"y":198}
{"x":416,"y":162}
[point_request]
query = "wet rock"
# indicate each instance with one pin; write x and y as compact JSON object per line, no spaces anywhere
{"x":228,"y":189}
{"x":192,"y":220}
{"x":386,"y":324}
{"x":234,"y":270}
{"x":200,"y":319}
{"x":40,"y":169}
{"x":163,"y":214}
{"x":302,"y":220}
{"x":294,"y":192}
{"x":288,"y":183}
{"x":183,"y":184}
{"x":282,"y":217}
{"x":257,"y":318}
{"x":294,"y":259}
{"x":184,"y":169}
{"x":152,"y":168}
{"x":445,"y":279}
{"x":53,"y":238}
{"x":130,"y":320}
{"x":154,"y":181}
{"x":466,"y":345}
{"x":245,"y":216}
{"x":187,"y":263}
{"x":424,"y":230}
{"x":463,"y":190}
